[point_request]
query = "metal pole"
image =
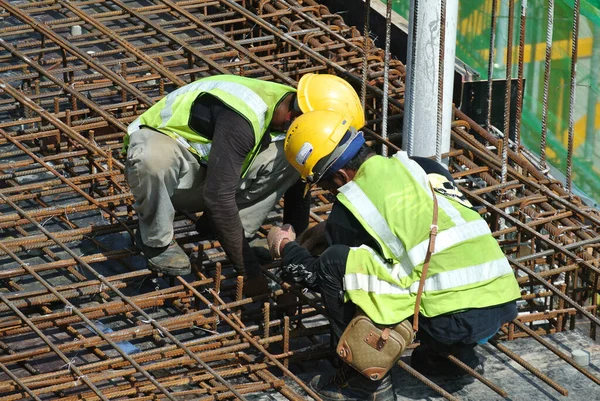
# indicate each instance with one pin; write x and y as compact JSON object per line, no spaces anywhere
{"x":549,"y":29}
{"x":423,"y":62}
{"x":365,"y":64}
{"x":519,"y":112}
{"x":491,"y":64}
{"x":440,"y":85}
{"x":386,"y":71}
{"x":504,"y":150}
{"x":574,"y":39}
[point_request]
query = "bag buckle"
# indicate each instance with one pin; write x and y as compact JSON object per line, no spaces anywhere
{"x":378,"y":341}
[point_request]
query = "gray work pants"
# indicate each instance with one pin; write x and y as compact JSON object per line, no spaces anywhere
{"x":165,"y":177}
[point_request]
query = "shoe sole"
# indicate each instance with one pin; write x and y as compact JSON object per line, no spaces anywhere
{"x":168,"y":270}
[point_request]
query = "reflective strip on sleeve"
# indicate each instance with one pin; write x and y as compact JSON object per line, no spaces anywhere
{"x":448,"y":238}
{"x":240,"y":91}
{"x":373,"y":218}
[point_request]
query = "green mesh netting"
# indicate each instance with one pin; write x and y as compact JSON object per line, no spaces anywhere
{"x":473,"y":36}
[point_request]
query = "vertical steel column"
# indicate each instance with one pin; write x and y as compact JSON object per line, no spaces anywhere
{"x":420,"y":122}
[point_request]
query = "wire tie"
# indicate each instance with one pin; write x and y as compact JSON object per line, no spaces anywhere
{"x":101,"y":287}
{"x":149,"y":321}
{"x":69,"y":364}
{"x":69,"y":308}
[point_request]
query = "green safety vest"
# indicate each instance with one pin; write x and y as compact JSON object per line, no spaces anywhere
{"x":253,"y":99}
{"x":392,"y":200}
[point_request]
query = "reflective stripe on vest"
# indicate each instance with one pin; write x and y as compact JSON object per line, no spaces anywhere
{"x":243,"y":93}
{"x":374,"y":219}
{"x":439,"y":282}
{"x":462,"y":231}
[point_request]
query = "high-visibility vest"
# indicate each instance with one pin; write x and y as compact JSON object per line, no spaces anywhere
{"x":252,"y":99}
{"x":392,"y":200}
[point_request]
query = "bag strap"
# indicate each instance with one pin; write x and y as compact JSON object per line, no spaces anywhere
{"x":432,"y":235}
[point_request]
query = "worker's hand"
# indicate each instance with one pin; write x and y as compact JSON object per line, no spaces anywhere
{"x":256,"y":285}
{"x":314,"y":239}
{"x":276,"y":236}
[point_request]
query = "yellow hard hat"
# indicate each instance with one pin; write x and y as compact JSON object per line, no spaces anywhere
{"x":330,"y":92}
{"x":317,"y":139}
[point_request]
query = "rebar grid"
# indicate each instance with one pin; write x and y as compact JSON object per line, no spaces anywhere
{"x":74,"y":286}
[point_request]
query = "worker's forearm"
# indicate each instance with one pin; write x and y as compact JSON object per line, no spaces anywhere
{"x":230,"y":233}
{"x":233,"y":140}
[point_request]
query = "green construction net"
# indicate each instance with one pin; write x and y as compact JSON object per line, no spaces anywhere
{"x":473,"y":41}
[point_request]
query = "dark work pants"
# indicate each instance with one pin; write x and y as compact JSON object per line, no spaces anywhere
{"x":330,"y":268}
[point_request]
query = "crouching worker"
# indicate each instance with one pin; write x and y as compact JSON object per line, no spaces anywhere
{"x":215,"y":145}
{"x":379,"y":234}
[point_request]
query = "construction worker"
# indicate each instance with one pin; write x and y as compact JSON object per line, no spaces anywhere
{"x":378,"y":232}
{"x":215,"y":145}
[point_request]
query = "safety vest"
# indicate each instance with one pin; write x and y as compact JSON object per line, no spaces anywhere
{"x":252,"y":99}
{"x":392,"y":200}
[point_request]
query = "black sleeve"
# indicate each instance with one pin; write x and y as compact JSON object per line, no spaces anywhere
{"x":296,"y":207}
{"x":233,"y":139}
{"x":433,"y":167}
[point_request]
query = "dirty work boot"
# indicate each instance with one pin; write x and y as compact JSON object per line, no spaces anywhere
{"x":349,"y":385}
{"x":170,"y":260}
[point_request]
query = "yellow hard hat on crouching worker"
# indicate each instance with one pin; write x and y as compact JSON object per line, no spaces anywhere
{"x":321,"y":141}
{"x":330,"y":92}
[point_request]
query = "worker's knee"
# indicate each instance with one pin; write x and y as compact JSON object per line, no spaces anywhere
{"x":152,"y":154}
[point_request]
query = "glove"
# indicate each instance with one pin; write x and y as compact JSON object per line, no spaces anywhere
{"x":278,"y":234}
{"x":298,"y":274}
{"x":314,"y":239}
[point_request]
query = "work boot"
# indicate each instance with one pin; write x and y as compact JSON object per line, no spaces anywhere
{"x":349,"y":385}
{"x":170,"y":260}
